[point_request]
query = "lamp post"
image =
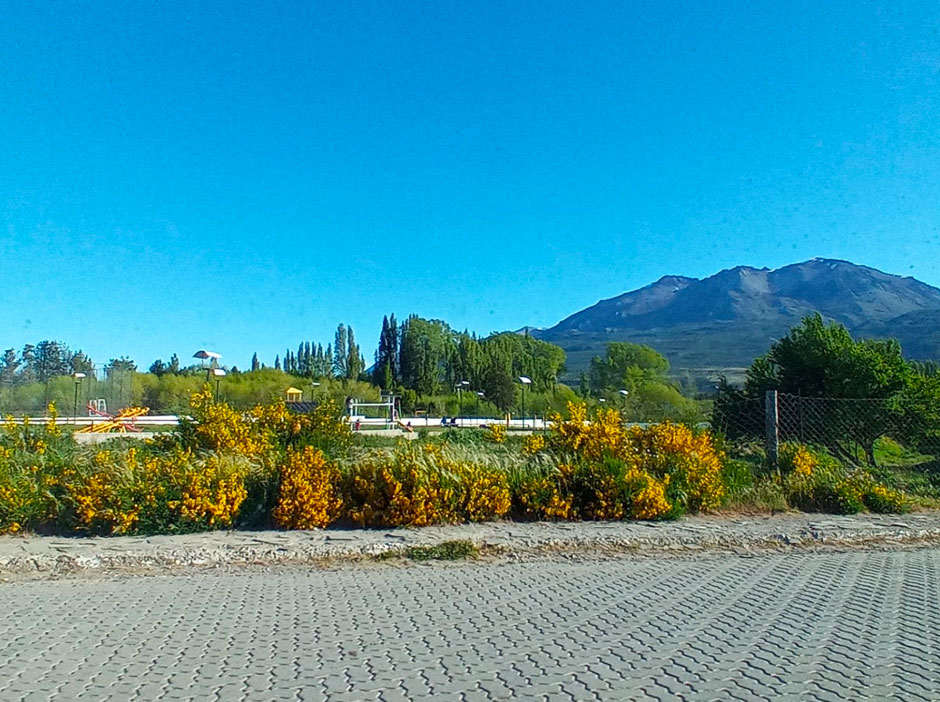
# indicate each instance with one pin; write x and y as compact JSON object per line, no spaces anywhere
{"x":77,"y":376}
{"x":525,"y":381}
{"x":460,"y":386}
{"x":210,"y":356}
{"x":623,"y":395}
{"x":219,"y":373}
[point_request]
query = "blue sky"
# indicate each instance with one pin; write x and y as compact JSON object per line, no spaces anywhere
{"x":244,"y":176}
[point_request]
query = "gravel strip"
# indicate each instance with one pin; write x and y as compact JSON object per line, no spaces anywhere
{"x":47,"y":556}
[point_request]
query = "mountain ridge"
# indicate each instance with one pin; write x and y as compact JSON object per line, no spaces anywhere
{"x":724,"y":321}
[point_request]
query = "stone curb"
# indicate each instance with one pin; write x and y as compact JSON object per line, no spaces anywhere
{"x":47,"y":557}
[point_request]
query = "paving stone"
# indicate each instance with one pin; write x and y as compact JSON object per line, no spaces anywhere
{"x":807,"y":626}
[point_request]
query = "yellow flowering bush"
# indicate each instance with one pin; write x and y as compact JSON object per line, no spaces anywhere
{"x":688,"y":458}
{"x":666,"y":458}
{"x":172,"y":492}
{"x":217,"y":426}
{"x":496,"y":433}
{"x":422,"y":485}
{"x":814,"y":481}
{"x":604,"y":436}
{"x":540,"y":496}
{"x":309,"y":491}
{"x":797,"y":459}
{"x":532,"y":444}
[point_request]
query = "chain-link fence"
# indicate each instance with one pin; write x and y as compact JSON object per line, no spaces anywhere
{"x":857,"y":431}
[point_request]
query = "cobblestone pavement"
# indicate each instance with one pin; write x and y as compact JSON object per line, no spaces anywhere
{"x":810,"y":626}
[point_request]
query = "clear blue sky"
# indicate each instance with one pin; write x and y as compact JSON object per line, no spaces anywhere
{"x":244,"y":176}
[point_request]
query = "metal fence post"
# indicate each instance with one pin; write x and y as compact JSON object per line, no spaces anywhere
{"x":772,"y":426}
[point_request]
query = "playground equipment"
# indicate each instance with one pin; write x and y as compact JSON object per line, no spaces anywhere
{"x":390,"y":404}
{"x":123,"y":422}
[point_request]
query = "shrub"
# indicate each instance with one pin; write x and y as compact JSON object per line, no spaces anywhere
{"x":422,"y":485}
{"x":814,"y":481}
{"x":682,"y":461}
{"x":308,"y":491}
{"x":532,"y":444}
{"x":496,"y":433}
{"x":126,"y":493}
{"x":544,"y":495}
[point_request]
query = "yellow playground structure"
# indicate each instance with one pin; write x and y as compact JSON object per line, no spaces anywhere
{"x":123,"y":422}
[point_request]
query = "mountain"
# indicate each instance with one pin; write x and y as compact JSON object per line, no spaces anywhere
{"x":721,"y":323}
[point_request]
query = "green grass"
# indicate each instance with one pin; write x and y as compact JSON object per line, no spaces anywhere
{"x":890,"y":454}
{"x":445,"y":551}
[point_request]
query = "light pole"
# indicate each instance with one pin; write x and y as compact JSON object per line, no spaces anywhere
{"x":460,"y":386}
{"x":210,"y":356}
{"x":525,"y":381}
{"x":77,"y":376}
{"x":219,"y":373}
{"x":623,"y":394}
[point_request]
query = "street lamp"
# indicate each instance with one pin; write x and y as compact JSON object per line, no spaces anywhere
{"x":210,"y":356}
{"x":219,"y":373}
{"x":460,"y":386}
{"x":78,"y":376}
{"x":525,"y":381}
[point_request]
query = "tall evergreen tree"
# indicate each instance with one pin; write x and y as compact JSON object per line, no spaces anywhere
{"x":393,"y":347}
{"x":8,"y":365}
{"x":254,"y":362}
{"x":340,"y":355}
{"x":355,"y":364}
{"x":174,"y":366}
{"x":277,"y":363}
{"x":51,"y":360}
{"x":81,"y":363}
{"x":383,"y":373}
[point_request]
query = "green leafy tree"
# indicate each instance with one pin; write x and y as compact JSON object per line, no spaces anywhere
{"x":816,"y":359}
{"x":821,"y":360}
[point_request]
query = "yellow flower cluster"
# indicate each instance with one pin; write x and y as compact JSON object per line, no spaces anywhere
{"x":689,"y":458}
{"x":309,"y":491}
{"x":496,"y":433}
{"x":211,"y":495}
{"x":797,"y":459}
{"x":542,"y":497}
{"x":52,"y":424}
{"x":650,"y":501}
{"x":532,"y":444}
{"x":220,"y":427}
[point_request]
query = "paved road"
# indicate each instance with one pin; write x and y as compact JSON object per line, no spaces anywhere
{"x":823,"y":626}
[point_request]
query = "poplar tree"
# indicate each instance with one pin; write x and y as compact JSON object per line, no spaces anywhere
{"x":340,"y":353}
